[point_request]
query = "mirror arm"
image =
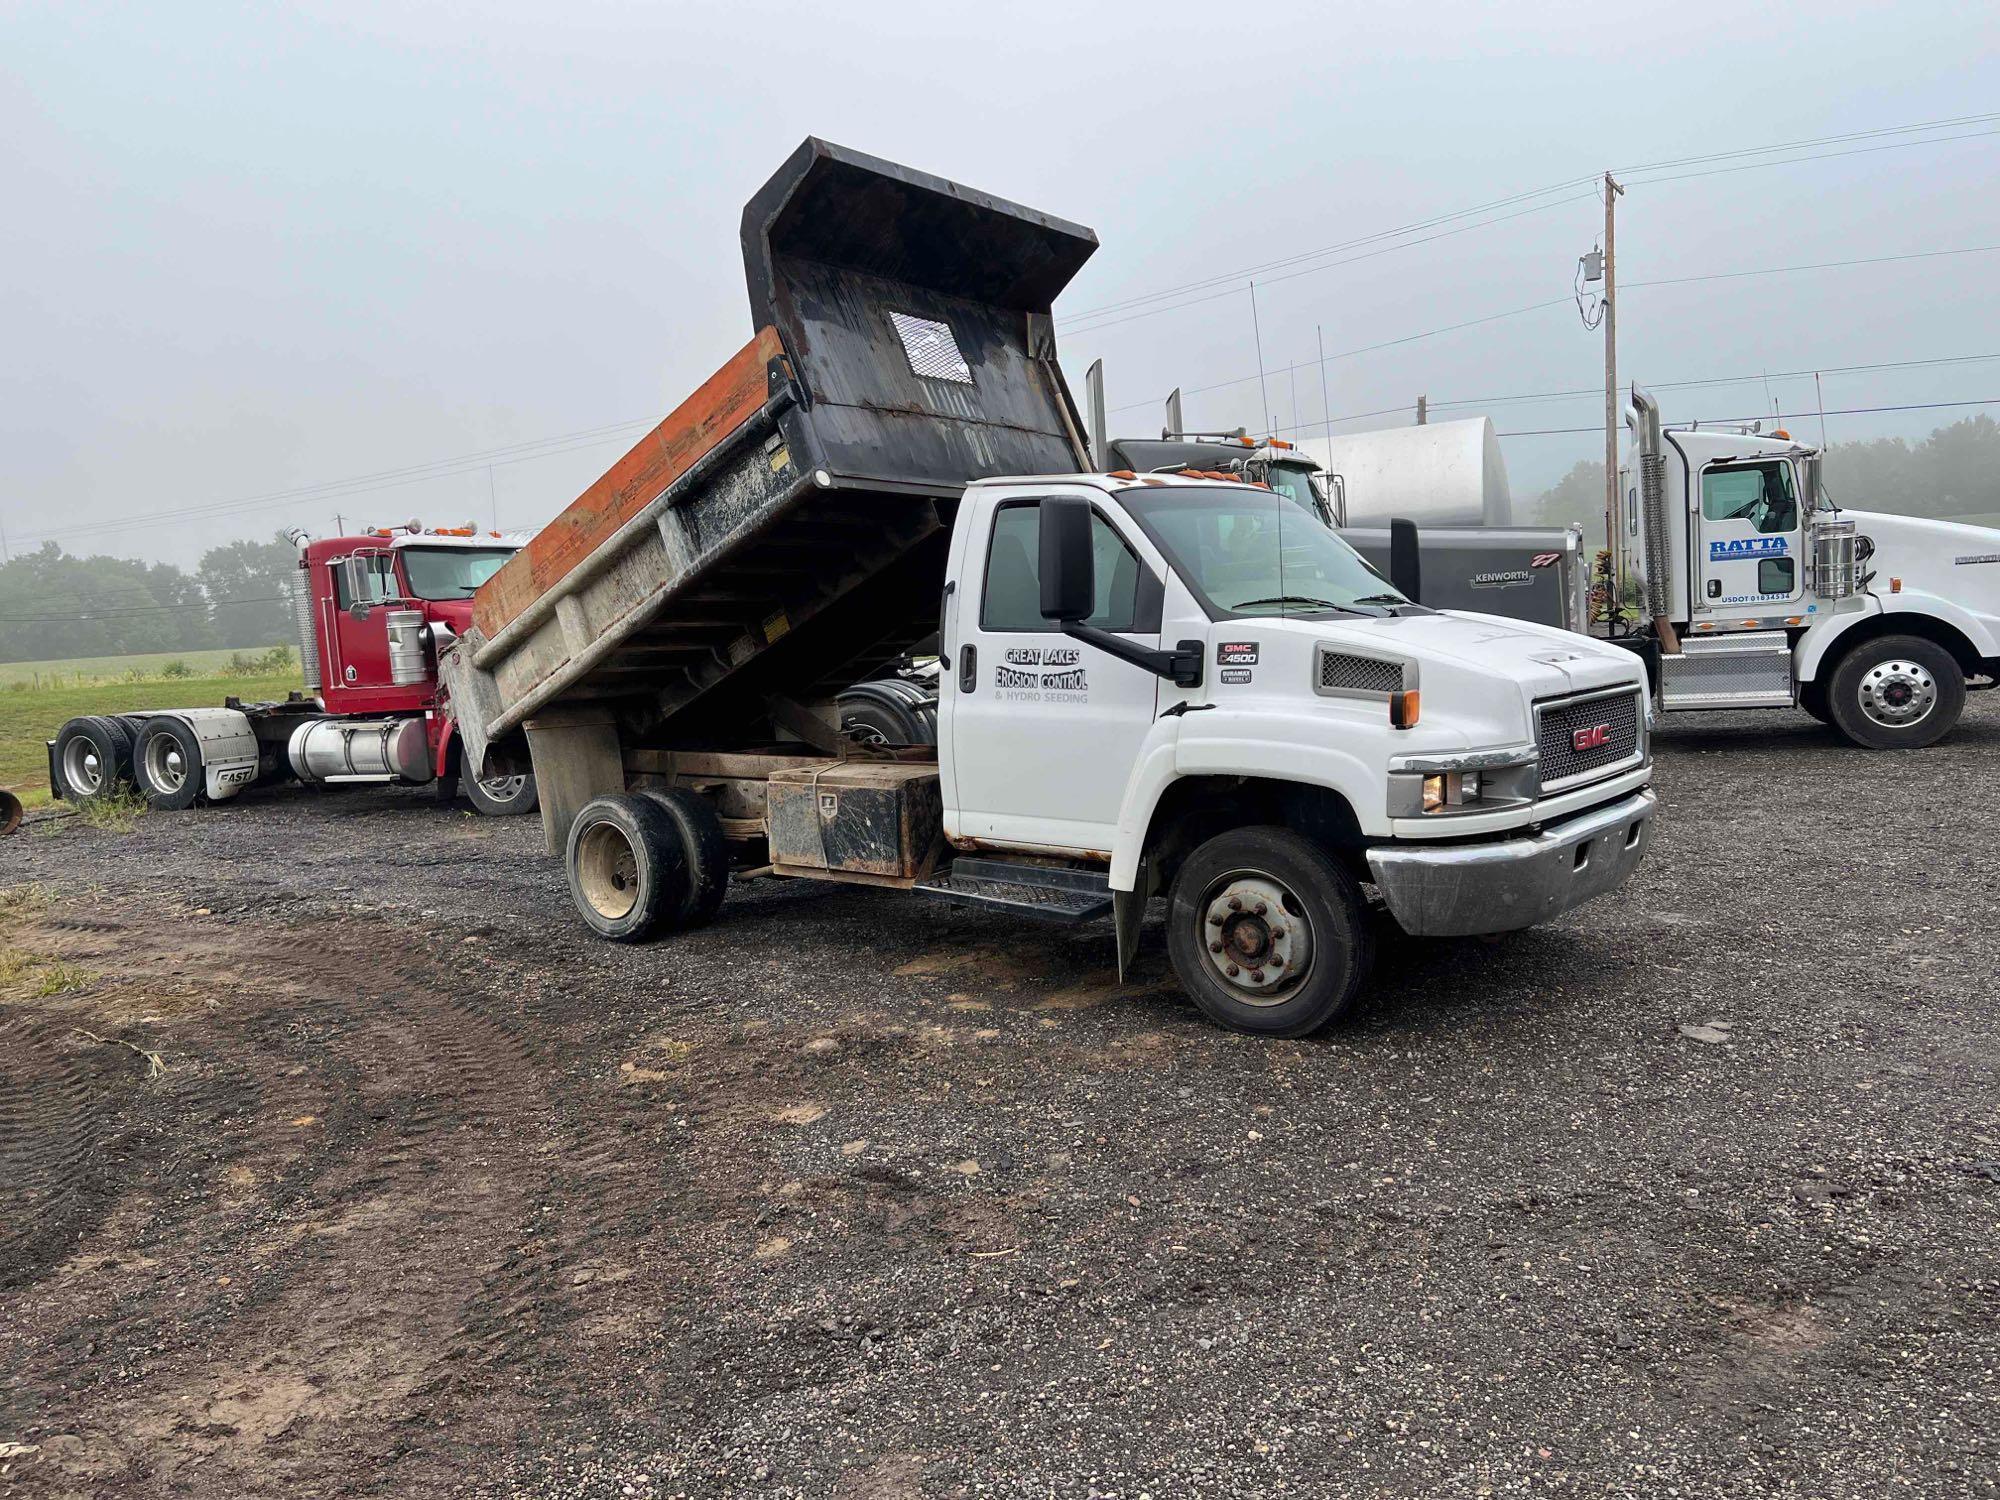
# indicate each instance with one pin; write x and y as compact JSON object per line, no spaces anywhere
{"x":1182,"y":665}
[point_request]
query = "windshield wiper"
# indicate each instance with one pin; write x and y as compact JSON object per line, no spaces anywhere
{"x":1381,"y":599}
{"x":1299,"y":599}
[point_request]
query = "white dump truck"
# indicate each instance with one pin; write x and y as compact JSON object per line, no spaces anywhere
{"x":1158,"y":685}
{"x":1759,"y":592}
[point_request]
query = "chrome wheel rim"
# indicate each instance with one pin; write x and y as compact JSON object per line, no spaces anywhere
{"x":1255,"y":936}
{"x":1898,"y":693}
{"x":166,"y":771}
{"x":82,"y":768}
{"x":607,"y":871}
{"x":503,"y":788}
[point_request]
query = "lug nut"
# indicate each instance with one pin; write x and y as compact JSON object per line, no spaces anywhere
{"x":1261,"y":908}
{"x":1277,"y":934}
{"x":1232,"y":971}
{"x":1215,"y":947}
{"x":1236,"y":903}
{"x":1258,"y":975}
{"x":1215,"y":919}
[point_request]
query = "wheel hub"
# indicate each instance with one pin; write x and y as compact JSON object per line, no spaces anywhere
{"x":608,"y":871}
{"x":1256,"y":937}
{"x":164,"y":766}
{"x":503,"y":788}
{"x":1898,"y":693}
{"x":82,"y":769}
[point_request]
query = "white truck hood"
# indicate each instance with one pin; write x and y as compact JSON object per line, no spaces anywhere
{"x":1950,"y":561}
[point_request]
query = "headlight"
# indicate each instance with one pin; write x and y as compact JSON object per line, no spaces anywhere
{"x":1450,"y":789}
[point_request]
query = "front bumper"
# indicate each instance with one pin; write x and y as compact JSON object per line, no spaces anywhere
{"x":1464,"y":889}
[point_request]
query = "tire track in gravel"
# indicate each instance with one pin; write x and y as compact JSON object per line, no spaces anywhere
{"x":54,"y":1106}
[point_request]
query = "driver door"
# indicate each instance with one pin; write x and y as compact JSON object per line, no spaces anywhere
{"x":1749,"y":538}
{"x":361,"y":646}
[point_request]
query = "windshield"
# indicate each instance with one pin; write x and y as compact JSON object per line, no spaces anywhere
{"x":450,"y":572}
{"x":1295,"y":483}
{"x":1226,"y":543}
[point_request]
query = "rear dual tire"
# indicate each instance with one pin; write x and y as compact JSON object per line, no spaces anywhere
{"x":94,"y":757}
{"x":167,"y":765}
{"x":643,"y":864}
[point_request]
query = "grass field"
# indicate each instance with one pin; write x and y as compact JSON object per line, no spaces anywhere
{"x":85,"y":669}
{"x":29,"y":715}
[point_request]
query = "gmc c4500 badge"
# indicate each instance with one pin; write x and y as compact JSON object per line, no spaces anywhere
{"x":1596,"y":737}
{"x":1236,"y":653}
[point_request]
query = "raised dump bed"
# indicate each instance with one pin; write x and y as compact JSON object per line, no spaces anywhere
{"x":782,"y":533}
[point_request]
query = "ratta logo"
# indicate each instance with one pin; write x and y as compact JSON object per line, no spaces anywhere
{"x":1746,"y":549}
{"x":1596,"y":737}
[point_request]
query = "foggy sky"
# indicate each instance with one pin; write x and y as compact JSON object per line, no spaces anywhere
{"x":250,"y":249}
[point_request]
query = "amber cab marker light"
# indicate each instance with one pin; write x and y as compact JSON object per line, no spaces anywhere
{"x":1403,"y":709}
{"x":1895,"y":585}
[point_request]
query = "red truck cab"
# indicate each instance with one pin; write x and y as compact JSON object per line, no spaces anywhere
{"x":353,"y":583}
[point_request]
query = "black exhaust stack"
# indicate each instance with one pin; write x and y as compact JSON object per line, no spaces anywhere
{"x":1405,"y":570}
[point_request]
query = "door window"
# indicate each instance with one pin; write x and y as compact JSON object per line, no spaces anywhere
{"x":1760,"y":494}
{"x":379,"y":570}
{"x":1013,"y":597}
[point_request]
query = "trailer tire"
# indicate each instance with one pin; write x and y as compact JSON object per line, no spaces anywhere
{"x":503,"y":796}
{"x":627,"y":872}
{"x":1896,"y":692}
{"x":167,"y":766}
{"x":1322,"y":948}
{"x":705,"y":848}
{"x":94,"y":757}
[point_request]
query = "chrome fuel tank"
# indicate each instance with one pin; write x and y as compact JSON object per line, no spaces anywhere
{"x":324,"y":750}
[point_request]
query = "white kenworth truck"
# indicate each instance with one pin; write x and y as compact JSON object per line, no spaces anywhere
{"x":1759,"y":592}
{"x":1152,"y":685}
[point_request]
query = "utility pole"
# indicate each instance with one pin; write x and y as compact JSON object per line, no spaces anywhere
{"x":1612,"y":191}
{"x":1423,"y":410}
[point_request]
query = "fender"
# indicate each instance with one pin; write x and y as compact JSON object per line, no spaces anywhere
{"x":1814,"y":645}
{"x":447,"y":741}
{"x":229,"y":749}
{"x":1217,"y":742}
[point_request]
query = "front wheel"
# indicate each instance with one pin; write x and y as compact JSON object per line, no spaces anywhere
{"x":503,"y":796}
{"x":1899,"y":692}
{"x":1268,"y":933}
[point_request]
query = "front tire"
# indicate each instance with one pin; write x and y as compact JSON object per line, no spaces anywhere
{"x":94,"y":757}
{"x":167,"y":765}
{"x":503,"y":796}
{"x":627,"y":872}
{"x":1267,"y":932}
{"x":1898,"y":692}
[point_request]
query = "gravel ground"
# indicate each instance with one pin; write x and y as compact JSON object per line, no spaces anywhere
{"x":1694,"y":1193}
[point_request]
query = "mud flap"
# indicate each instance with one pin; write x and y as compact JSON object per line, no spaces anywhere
{"x":1128,"y":915}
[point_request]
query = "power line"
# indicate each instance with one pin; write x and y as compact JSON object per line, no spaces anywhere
{"x":1786,"y":416}
{"x":1564,"y":302}
{"x":361,"y":484}
{"x":127,"y":611}
{"x":1075,"y":322}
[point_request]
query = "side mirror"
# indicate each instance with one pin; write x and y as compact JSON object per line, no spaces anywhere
{"x":1068,"y":565}
{"x":1405,"y":565}
{"x":1812,"y":483}
{"x":358,"y":583}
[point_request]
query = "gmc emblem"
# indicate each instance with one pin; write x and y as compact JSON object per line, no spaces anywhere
{"x":1594,"y":738}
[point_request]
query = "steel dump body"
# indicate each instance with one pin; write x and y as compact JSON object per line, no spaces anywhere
{"x":783,"y":531}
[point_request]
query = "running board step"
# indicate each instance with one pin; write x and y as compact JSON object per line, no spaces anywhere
{"x":1751,"y":670}
{"x":1039,"y":892}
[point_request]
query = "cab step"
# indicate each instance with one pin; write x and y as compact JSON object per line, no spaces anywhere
{"x":1750,"y":670}
{"x":1038,"y":892}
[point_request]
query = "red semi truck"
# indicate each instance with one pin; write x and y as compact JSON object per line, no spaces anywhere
{"x":372,"y":613}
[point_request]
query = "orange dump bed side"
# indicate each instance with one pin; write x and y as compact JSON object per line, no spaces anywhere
{"x":727,"y":399}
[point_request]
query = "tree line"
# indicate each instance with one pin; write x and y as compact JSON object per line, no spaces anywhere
{"x":54,"y":605}
{"x":1953,"y":473}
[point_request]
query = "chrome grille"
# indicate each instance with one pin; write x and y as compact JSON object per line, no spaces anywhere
{"x":1343,"y":672}
{"x":1560,"y":721}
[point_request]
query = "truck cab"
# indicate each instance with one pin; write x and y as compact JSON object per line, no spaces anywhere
{"x":1758,"y":591}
